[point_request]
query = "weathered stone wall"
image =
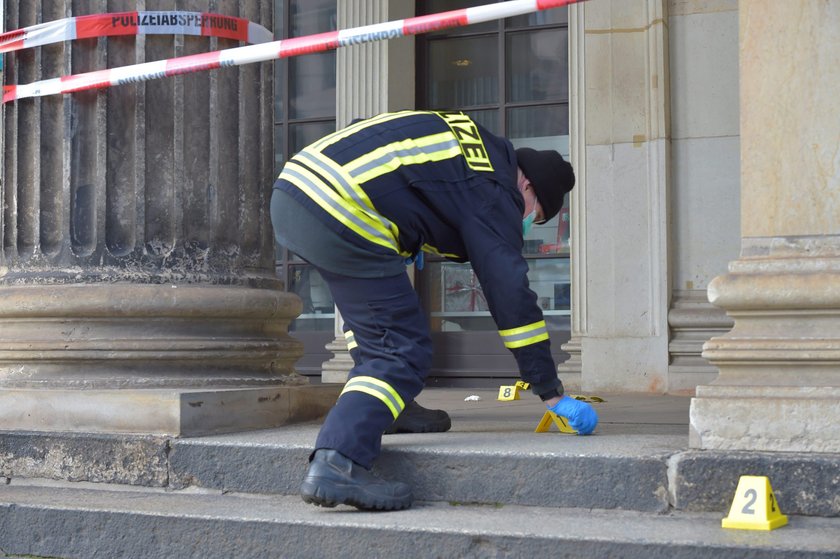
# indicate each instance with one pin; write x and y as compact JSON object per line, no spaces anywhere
{"x":137,"y":250}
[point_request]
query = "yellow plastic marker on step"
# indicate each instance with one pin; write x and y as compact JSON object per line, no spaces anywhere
{"x":511,"y":392}
{"x":589,"y":399}
{"x":754,"y":506}
{"x":550,"y":417}
{"x":508,"y":393}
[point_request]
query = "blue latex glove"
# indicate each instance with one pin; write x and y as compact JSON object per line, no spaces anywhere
{"x":582,"y":417}
{"x":418,"y":260}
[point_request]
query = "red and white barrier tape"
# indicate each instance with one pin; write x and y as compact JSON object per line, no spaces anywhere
{"x":296,"y":46}
{"x":135,"y":23}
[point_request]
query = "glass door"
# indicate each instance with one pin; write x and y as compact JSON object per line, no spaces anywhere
{"x":512,"y":77}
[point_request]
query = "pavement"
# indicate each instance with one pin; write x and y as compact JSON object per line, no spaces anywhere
{"x":636,"y":414}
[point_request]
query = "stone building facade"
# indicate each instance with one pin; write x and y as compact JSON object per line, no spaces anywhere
{"x":705,"y":227}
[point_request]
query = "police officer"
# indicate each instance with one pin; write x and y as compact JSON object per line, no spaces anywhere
{"x":358,"y":205}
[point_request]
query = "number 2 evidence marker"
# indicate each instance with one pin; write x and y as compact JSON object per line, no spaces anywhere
{"x":754,"y":506}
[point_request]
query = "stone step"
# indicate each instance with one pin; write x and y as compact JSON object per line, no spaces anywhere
{"x":612,"y":470}
{"x":58,"y":521}
{"x":629,"y":471}
{"x":490,"y":468}
{"x":638,"y":459}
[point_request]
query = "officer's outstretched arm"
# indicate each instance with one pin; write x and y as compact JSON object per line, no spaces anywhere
{"x":495,"y":250}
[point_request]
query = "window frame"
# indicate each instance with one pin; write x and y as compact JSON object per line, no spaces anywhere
{"x":286,"y":263}
{"x":502,"y":31}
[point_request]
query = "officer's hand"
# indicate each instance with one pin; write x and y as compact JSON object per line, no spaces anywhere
{"x":582,"y":417}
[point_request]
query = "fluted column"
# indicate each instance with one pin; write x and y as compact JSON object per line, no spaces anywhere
{"x":779,"y":382}
{"x":137,"y":290}
{"x":371,"y":79}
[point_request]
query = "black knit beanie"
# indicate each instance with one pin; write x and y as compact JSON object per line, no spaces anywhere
{"x":550,"y":175}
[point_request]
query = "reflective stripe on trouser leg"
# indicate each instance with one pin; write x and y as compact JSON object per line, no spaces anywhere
{"x":393,"y":360}
{"x":378,"y":389}
{"x":350,"y":338}
{"x":352,"y":346}
{"x":524,"y":335}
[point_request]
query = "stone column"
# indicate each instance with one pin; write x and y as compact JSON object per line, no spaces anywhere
{"x":137,"y":291}
{"x":372,"y":79}
{"x":779,"y":382}
{"x":570,"y":370}
{"x":624,"y":221}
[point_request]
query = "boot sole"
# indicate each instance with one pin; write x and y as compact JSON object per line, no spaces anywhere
{"x":428,"y":427}
{"x":327,"y":494}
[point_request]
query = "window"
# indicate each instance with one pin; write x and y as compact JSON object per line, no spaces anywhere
{"x":512,"y":77}
{"x":304,"y":110}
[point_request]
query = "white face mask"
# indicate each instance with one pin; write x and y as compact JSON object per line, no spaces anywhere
{"x":528,"y":220}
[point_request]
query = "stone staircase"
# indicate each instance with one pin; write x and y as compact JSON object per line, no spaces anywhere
{"x":490,"y":488}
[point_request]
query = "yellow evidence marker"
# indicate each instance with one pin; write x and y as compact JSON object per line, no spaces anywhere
{"x":561,"y":422}
{"x":510,"y":393}
{"x":588,"y":399}
{"x":754,"y":506}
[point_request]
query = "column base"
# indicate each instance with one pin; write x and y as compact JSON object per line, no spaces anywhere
{"x":693,"y":321}
{"x":569,"y":370}
{"x":178,"y":412}
{"x":772,"y":418}
{"x":779,"y":382}
{"x":337,"y":369}
{"x":179,"y":337}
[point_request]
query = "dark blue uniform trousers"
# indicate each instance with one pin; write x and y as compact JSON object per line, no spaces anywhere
{"x":394,"y":347}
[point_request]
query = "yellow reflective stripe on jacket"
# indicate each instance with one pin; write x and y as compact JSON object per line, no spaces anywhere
{"x":339,"y":178}
{"x":350,"y":338}
{"x":354,"y":217}
{"x":348,"y":189}
{"x":414,"y":151}
{"x":469,"y":139}
{"x":378,"y":389}
{"x":524,"y":335}
{"x":433,"y":250}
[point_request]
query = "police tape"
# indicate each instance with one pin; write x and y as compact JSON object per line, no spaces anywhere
{"x":135,"y":23}
{"x":285,"y":48}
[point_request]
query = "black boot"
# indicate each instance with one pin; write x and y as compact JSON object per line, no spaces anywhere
{"x":417,"y":419}
{"x":335,"y":479}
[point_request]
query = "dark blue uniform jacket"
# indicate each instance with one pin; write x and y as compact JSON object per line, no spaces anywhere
{"x":400,"y":183}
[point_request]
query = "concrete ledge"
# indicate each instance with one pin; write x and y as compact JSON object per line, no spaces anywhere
{"x":639,"y":472}
{"x":125,"y":460}
{"x":163,"y":412}
{"x":803,"y":483}
{"x":547,"y":479}
{"x":63,"y":522}
{"x":464,"y":469}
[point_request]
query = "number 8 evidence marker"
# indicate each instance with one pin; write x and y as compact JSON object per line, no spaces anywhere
{"x":296,"y":46}
{"x":508,"y":393}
